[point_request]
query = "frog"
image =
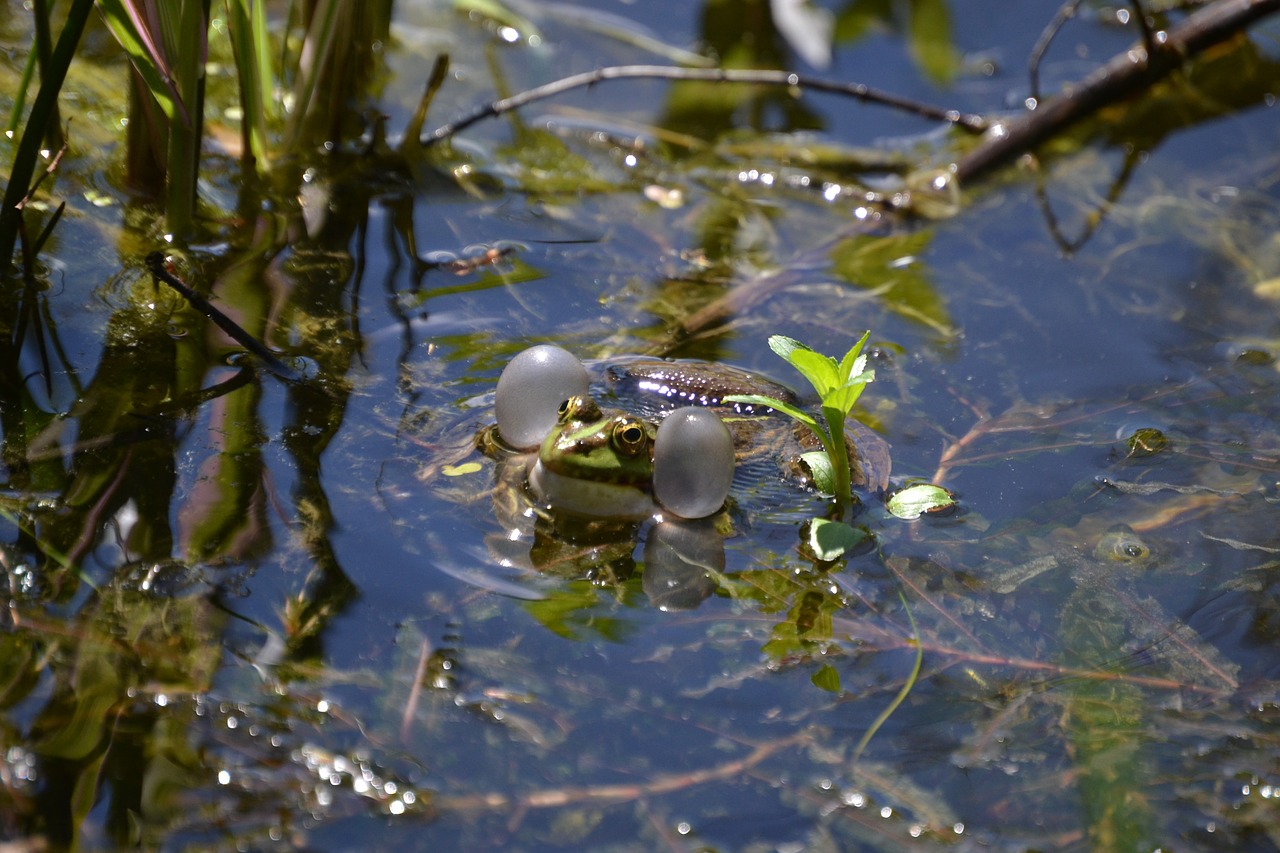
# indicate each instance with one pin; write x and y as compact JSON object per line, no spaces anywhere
{"x":612,"y":462}
{"x":578,"y":469}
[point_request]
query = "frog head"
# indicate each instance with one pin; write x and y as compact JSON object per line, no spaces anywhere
{"x":596,"y":462}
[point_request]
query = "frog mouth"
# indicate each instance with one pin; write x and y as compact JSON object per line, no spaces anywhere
{"x":589,"y":497}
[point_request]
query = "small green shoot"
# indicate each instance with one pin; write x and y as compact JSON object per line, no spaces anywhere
{"x":839,"y":385}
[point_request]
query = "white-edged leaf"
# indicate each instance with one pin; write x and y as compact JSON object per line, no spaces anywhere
{"x":808,"y":28}
{"x":914,"y":501}
{"x":830,"y":540}
{"x":849,"y":365}
{"x":784,"y":346}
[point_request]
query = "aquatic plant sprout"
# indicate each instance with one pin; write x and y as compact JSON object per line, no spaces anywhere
{"x":839,"y":385}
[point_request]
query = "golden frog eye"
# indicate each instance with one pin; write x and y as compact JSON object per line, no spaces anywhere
{"x":578,"y":408}
{"x":630,"y":437}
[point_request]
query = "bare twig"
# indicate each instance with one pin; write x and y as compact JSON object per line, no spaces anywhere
{"x":1065,"y":12}
{"x":158,"y":264}
{"x":619,"y":793}
{"x":858,"y":91}
{"x":1125,"y":74}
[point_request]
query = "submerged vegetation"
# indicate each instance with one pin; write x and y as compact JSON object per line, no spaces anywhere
{"x":263,"y":591}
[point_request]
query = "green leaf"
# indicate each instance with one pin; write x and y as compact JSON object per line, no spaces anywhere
{"x":854,"y":362}
{"x":914,"y":501}
{"x":844,"y":397}
{"x":786,"y":408}
{"x":824,"y":475}
{"x":830,"y":540}
{"x":821,"y":370}
{"x":784,"y":346}
{"x":827,"y":679}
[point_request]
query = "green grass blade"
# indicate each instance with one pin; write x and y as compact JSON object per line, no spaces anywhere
{"x":20,"y":96}
{"x":184,"y":25}
{"x":903,"y":693}
{"x":251,"y":48}
{"x":42,"y":112}
{"x":318,"y":48}
{"x":127,"y":22}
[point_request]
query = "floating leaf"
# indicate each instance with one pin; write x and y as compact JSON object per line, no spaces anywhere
{"x":459,"y":470}
{"x":914,"y":501}
{"x":831,"y":540}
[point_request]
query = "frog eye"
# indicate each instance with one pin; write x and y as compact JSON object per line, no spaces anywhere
{"x":578,"y":408}
{"x":1122,"y":545}
{"x":533,"y":384}
{"x":630,"y":437}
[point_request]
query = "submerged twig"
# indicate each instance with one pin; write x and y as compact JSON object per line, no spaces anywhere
{"x":765,"y":77}
{"x":623,"y":792}
{"x":157,"y":263}
{"x":1123,"y":75}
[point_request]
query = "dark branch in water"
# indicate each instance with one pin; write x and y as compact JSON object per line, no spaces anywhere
{"x":1129,"y":72}
{"x":158,"y":264}
{"x":858,"y":91}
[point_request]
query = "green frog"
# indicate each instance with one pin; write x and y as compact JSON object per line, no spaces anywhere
{"x":575,"y":473}
{"x":612,"y":463}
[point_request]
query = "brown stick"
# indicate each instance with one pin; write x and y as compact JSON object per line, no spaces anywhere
{"x":1125,"y":74}
{"x":859,"y":91}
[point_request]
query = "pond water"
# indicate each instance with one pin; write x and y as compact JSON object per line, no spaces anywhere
{"x":247,"y":612}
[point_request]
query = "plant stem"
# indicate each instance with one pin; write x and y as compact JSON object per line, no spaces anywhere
{"x":42,"y":112}
{"x":837,"y":449}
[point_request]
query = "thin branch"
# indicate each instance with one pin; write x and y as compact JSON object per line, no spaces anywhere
{"x":1125,"y":74}
{"x":157,"y":263}
{"x":1065,"y":12}
{"x":858,"y":91}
